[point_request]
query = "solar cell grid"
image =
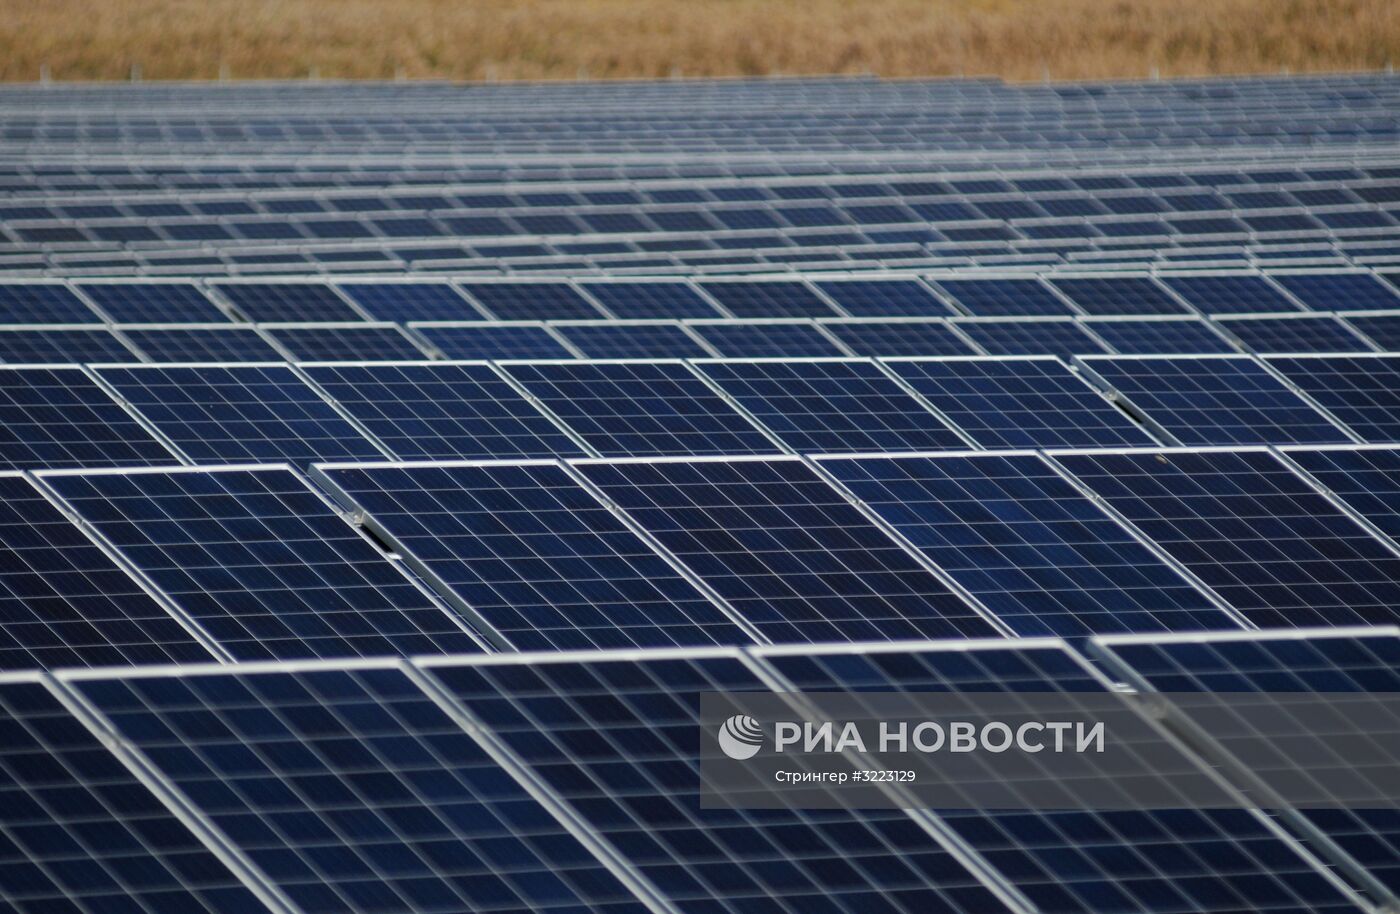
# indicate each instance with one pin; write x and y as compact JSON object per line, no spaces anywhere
{"x":262,"y":563}
{"x":1286,"y":333}
{"x":884,"y":298}
{"x":492,"y":340}
{"x":1230,"y":294}
{"x":651,"y":299}
{"x":767,"y":339}
{"x":41,"y":303}
{"x":899,"y":337}
{"x":1164,"y":336}
{"x":1381,"y":328}
{"x":530,"y":301}
{"x":1362,"y":391}
{"x":333,"y":342}
{"x":286,"y":301}
{"x":39,"y":344}
{"x":1003,"y":297}
{"x":409,"y":301}
{"x":748,"y":299}
{"x":1339,"y":291}
{"x":786,"y":550}
{"x":1363,"y":478}
{"x":153,"y":303}
{"x":1059,"y":337}
{"x":631,"y":340}
{"x":200,"y":343}
{"x":1118,"y":295}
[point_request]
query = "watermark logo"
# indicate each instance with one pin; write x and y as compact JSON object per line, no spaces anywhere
{"x":741,"y":737}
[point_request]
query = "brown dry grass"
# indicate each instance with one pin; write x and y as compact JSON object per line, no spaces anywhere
{"x":531,"y":39}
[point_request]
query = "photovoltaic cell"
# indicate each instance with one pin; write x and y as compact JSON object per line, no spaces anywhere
{"x":1028,"y":544}
{"x":768,"y":299}
{"x":536,"y":556}
{"x":525,"y":301}
{"x":395,"y":808}
{"x":899,"y":338}
{"x":1063,"y":338}
{"x":828,"y":406}
{"x":333,"y":342}
{"x":80,"y":833}
{"x":410,"y":301}
{"x":202,"y":343}
{"x":1173,"y":336}
{"x":493,"y":341}
{"x":262,"y":563}
{"x":674,"y":300}
{"x":618,"y":740}
{"x":631,"y":340}
{"x":153,"y":303}
{"x":1362,"y":391}
{"x":1230,"y":294}
{"x":62,"y":344}
{"x":1170,"y":861}
{"x":238,"y":413}
{"x":272,"y":301}
{"x":768,"y":339}
{"x":1254,"y":531}
{"x":1012,"y":403}
{"x":1218,"y":400}
{"x":443,"y":410}
{"x":1305,"y":333}
{"x":1118,"y":295}
{"x":1367,"y":480}
{"x":787,"y":551}
{"x":1381,"y":329}
{"x":1339,"y":291}
{"x":38,"y":303}
{"x":1003,"y":297}
{"x":639,"y":409}
{"x":884,"y":298}
{"x":56,"y":417}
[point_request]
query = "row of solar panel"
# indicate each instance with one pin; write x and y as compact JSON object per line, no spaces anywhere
{"x":254,"y":563}
{"x":571,"y":783}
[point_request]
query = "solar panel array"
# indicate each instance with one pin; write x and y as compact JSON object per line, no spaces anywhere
{"x":385,"y":469}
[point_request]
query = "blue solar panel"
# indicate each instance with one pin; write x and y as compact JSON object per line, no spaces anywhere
{"x":1250,"y":528}
{"x":38,"y":303}
{"x":1118,"y":295}
{"x":1003,"y":297}
{"x":202,"y":343}
{"x":84,"y":834}
{"x":262,"y":563}
{"x":1215,"y":400}
{"x":233,"y":413}
{"x":1165,"y":336}
{"x":631,"y":340}
{"x":1304,"y":333}
{"x":1028,"y":544}
{"x":884,"y":298}
{"x":64,"y":602}
{"x":1011,"y":403}
{"x":1230,"y":294}
{"x":527,"y":549}
{"x":1339,"y":291}
{"x":783,"y":298}
{"x":898,"y":337}
{"x":153,"y":303}
{"x":492,"y":340}
{"x":831,"y":406}
{"x":1381,"y":329}
{"x":636,"y":300}
{"x":443,"y":411}
{"x":626,"y":409}
{"x":1172,"y":861}
{"x":767,"y":339}
{"x":335,"y":342}
{"x":516,"y":301}
{"x":1064,"y":338}
{"x":273,"y":301}
{"x":410,"y":301}
{"x":57,"y":416}
{"x":397,"y":809}
{"x":37,"y":345}
{"x":1362,"y":391}
{"x":1365,"y":479}
{"x":787,"y":551}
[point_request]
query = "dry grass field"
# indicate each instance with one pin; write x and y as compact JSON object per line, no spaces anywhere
{"x":567,"y":39}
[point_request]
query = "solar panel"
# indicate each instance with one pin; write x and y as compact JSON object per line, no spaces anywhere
{"x":396,"y":808}
{"x":285,"y":301}
{"x":1214,"y":400}
{"x":524,"y":301}
{"x":1118,"y":295}
{"x":1158,"y":336}
{"x":1304,"y":333}
{"x":797,"y":339}
{"x":1362,"y":391}
{"x":884,"y":298}
{"x":527,"y":549}
{"x":152,"y":303}
{"x":1030,"y":546}
{"x":57,"y":416}
{"x":242,"y":412}
{"x":38,"y":303}
{"x":1230,"y":294}
{"x":756,"y":298}
{"x":1360,"y":477}
{"x":1381,"y":329}
{"x":1250,"y":528}
{"x":39,"y":344}
{"x":1323,"y":661}
{"x":1339,"y":291}
{"x":333,"y":342}
{"x":615,"y":737}
{"x":497,"y":340}
{"x":82,"y":833}
{"x":1003,"y":297}
{"x":1195,"y":860}
{"x":410,"y":301}
{"x":1059,"y":337}
{"x":786,"y":550}
{"x":651,"y":299}
{"x":623,"y":409}
{"x":898,"y":337}
{"x":826,"y":406}
{"x":442,"y":410}
{"x":1011,"y":403}
{"x":201,"y":343}
{"x":631,"y":340}
{"x":262,"y":563}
